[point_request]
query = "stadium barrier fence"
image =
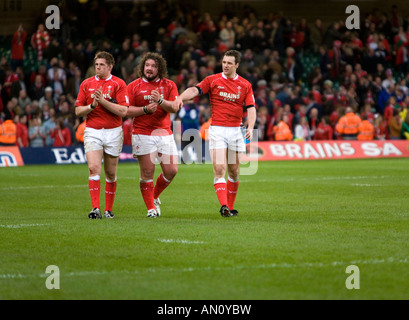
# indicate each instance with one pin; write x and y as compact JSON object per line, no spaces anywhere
{"x":260,"y":151}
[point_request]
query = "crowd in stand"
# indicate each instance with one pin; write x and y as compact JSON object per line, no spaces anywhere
{"x":362,"y":72}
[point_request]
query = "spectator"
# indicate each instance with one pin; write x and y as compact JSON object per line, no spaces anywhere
{"x":74,"y":82}
{"x":302,"y":130}
{"x":390,"y":107}
{"x":37,"y":89}
{"x":316,"y":35}
{"x":8,"y":133}
{"x":324,"y":130}
{"x":17,"y":48}
{"x":395,"y":125}
{"x":23,"y":99}
{"x":227,"y":35}
{"x":262,"y":123}
{"x":22,"y":131}
{"x":34,"y":133}
{"x":383,"y":97}
{"x":47,"y":128}
{"x":61,"y":134}
{"x":348,"y":125}
{"x":282,"y":131}
{"x":368,"y":113}
{"x":48,"y":97}
{"x":80,"y":130}
{"x":40,"y":40}
{"x":366,"y":130}
{"x":389,"y":81}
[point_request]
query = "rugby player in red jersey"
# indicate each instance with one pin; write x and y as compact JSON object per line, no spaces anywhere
{"x":103,"y":101}
{"x":228,"y":94}
{"x":151,"y":99}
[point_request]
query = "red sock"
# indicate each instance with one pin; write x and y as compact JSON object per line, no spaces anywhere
{"x":232,"y":188}
{"x":110,"y":189}
{"x":221,"y":192}
{"x":160,"y":185}
{"x":147,"y":193}
{"x":94,"y":190}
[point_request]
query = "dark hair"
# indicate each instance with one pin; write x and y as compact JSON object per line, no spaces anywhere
{"x":233,"y":53}
{"x":105,"y":55}
{"x":160,"y":62}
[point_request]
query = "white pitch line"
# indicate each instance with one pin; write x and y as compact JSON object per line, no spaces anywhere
{"x":43,"y":187}
{"x":23,"y":225}
{"x":180,"y":241}
{"x":191,"y":269}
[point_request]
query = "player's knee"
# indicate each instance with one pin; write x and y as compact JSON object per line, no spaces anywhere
{"x":147,"y":173}
{"x":171,"y":173}
{"x":94,"y":169}
{"x":110,"y":176}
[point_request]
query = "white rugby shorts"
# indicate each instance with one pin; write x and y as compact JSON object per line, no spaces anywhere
{"x":226,"y":138}
{"x":146,"y":144}
{"x":110,"y":140}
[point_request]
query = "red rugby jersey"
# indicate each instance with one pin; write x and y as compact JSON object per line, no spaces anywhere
{"x":227,"y":98}
{"x":100,"y":117}
{"x":139,"y":92}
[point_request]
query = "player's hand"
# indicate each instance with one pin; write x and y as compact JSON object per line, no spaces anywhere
{"x":155,"y":95}
{"x":152,"y":107}
{"x":98,"y":97}
{"x":249,"y":134}
{"x":178,"y":103}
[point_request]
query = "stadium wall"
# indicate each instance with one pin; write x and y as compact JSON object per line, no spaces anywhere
{"x":261,"y":151}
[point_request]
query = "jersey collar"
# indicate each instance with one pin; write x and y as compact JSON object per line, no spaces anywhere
{"x":107,"y":79}
{"x":146,"y":80}
{"x":225,"y":77}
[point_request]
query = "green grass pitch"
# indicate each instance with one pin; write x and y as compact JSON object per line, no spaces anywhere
{"x":300,"y":225}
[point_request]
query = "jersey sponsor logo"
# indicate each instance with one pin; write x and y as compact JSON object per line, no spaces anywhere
{"x":229,"y":96}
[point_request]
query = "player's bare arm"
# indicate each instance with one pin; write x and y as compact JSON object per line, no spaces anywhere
{"x":115,"y":108}
{"x":136,"y":111}
{"x":81,"y":111}
{"x":187,"y":95}
{"x":166,"y":105}
{"x":251,"y":119}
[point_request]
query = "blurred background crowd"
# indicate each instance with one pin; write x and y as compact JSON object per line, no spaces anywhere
{"x":306,"y":77}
